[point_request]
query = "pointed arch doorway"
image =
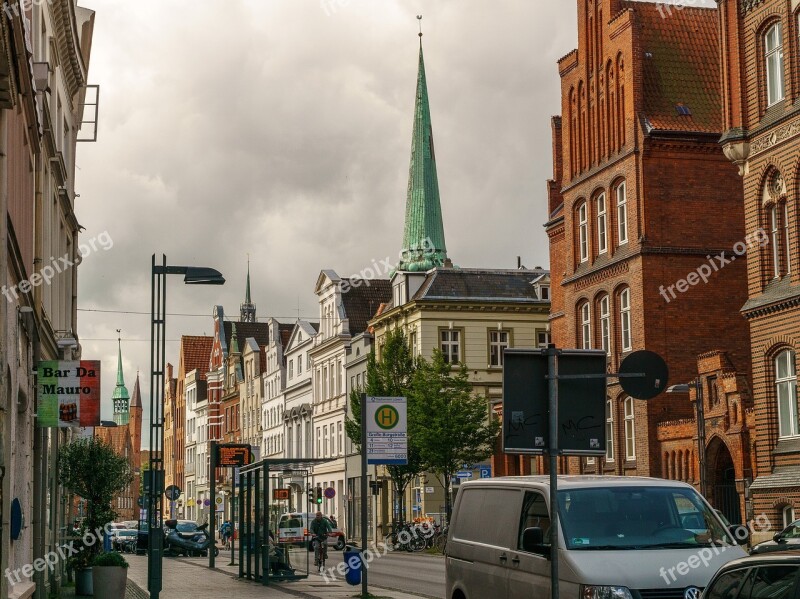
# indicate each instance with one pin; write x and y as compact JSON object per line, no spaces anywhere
{"x":722,"y":475}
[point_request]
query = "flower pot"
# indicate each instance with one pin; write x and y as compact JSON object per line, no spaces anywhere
{"x":109,"y":582}
{"x":83,"y":582}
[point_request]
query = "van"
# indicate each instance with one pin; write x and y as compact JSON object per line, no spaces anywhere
{"x":293,"y":528}
{"x":618,"y":538}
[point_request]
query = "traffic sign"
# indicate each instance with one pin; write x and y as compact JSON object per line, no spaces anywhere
{"x":219,"y":500}
{"x":486,"y":472}
{"x":655,"y":372}
{"x":464,"y":474}
{"x":172,"y":493}
{"x":330,"y":492}
{"x":206,"y":502}
{"x":387,"y":430}
{"x":140,"y":501}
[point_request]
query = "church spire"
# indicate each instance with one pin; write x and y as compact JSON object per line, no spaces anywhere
{"x":423,"y":235}
{"x":247,"y":311}
{"x":120,"y":398}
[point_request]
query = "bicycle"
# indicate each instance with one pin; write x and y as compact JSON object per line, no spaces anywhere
{"x":320,"y":551}
{"x":441,"y":540}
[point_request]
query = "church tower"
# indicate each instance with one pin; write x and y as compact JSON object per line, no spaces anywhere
{"x":120,"y":398}
{"x":135,"y":424}
{"x":423,"y":236}
{"x":247,"y":311}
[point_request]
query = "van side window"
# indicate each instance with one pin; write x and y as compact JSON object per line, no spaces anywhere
{"x":534,"y":514}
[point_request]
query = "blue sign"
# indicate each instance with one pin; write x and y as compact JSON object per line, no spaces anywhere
{"x":486,"y":472}
{"x":464,"y":474}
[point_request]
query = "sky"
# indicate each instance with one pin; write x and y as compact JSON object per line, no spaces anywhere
{"x":281,"y":130}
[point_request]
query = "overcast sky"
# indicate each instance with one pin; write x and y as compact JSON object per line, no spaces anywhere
{"x":282,"y":129}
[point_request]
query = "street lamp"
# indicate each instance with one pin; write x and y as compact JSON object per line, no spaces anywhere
{"x":701,"y":425}
{"x":192,"y":275}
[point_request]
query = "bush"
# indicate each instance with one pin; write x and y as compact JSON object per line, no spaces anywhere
{"x":112,"y":558}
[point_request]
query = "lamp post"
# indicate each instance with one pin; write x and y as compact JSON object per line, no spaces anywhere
{"x":192,"y":275}
{"x":701,"y":425}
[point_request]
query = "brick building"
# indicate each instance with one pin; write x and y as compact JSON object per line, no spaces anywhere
{"x":761,"y":124}
{"x":641,"y":202}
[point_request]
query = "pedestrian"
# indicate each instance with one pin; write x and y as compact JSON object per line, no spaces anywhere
{"x":225,"y":532}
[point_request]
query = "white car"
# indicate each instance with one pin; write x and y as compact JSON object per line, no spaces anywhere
{"x":293,"y":528}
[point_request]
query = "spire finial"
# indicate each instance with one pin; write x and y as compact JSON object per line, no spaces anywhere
{"x":419,"y":18}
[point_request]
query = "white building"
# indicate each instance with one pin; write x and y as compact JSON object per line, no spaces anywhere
{"x":201,"y":458}
{"x":195,"y":388}
{"x":254,"y":359}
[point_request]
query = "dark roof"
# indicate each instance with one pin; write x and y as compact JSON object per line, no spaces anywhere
{"x":476,"y":284}
{"x":314,"y":325}
{"x":136,"y":398}
{"x":257,"y":330}
{"x":195,"y":353}
{"x":360,"y":303}
{"x":681,"y":62}
{"x":286,"y":333}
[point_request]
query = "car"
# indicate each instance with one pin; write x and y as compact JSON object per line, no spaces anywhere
{"x":788,"y":538}
{"x":293,"y":528}
{"x":125,"y":540}
{"x":142,"y":537}
{"x":771,"y":575}
{"x":112,"y":529}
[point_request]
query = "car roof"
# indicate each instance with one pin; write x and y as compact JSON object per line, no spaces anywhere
{"x":577,"y":481}
{"x":772,"y":557}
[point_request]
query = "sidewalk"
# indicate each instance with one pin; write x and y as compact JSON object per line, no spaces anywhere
{"x":185,"y":578}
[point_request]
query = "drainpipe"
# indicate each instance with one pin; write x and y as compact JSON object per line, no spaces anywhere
{"x":5,"y":433}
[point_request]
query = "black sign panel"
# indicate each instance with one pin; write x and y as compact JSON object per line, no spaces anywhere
{"x":581,"y":402}
{"x":233,"y":455}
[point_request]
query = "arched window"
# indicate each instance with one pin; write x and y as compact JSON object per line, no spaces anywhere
{"x":626,"y":341}
{"x":602,"y":241}
{"x":786,"y":393}
{"x":773,"y":55}
{"x":787,"y":514}
{"x":583,"y":232}
{"x":787,"y":251}
{"x":622,"y":214}
{"x":609,"y":431}
{"x":775,"y":240}
{"x":586,"y":326}
{"x":605,"y":324}
{"x":630,"y":430}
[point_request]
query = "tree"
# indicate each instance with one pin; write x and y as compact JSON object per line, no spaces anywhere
{"x":391,"y":377}
{"x":89,"y":468}
{"x":458,"y":427}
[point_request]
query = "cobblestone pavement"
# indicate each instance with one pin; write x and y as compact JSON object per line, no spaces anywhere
{"x":131,"y":592}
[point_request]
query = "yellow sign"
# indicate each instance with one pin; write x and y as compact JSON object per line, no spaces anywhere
{"x":219,"y":500}
{"x":386,"y":417}
{"x":190,"y":503}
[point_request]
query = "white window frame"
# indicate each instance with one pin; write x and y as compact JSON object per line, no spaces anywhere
{"x":583,"y":232}
{"x":630,"y":429}
{"x":496,"y":343}
{"x":775,"y":234}
{"x":787,"y":238}
{"x":602,"y":227}
{"x":450,"y":344}
{"x":605,"y":324}
{"x":622,"y":214}
{"x":609,"y":431}
{"x":625,"y":319}
{"x":773,"y":59}
{"x":586,"y":326}
{"x":786,"y":394}
{"x":787,"y":513}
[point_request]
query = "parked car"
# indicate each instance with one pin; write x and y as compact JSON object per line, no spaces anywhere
{"x":293,"y":528}
{"x":113,"y":528}
{"x":125,"y":540}
{"x":788,"y":538}
{"x":771,"y":575}
{"x":619,"y":537}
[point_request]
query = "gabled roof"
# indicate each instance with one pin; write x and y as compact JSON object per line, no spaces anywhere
{"x":680,"y":68}
{"x":481,"y":285}
{"x":308,"y":330}
{"x":136,"y":398}
{"x":257,"y":330}
{"x":360,"y":303}
{"x":195,"y":353}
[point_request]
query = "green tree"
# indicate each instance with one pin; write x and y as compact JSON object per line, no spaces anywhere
{"x":89,"y":468}
{"x":458,"y":426}
{"x":391,"y":377}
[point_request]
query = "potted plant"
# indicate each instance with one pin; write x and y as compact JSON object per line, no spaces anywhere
{"x":109,"y":575}
{"x":89,"y":468}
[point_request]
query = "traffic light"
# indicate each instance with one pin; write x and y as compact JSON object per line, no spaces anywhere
{"x":310,"y":495}
{"x":319,"y":495}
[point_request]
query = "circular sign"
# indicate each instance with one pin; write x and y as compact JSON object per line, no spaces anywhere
{"x":330,"y":492}
{"x":386,"y":417}
{"x":206,"y":502}
{"x":172,"y":492}
{"x":219,"y":500}
{"x":655,"y":372}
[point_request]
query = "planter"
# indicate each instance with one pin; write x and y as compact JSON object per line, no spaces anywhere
{"x":83,"y":582}
{"x":109,"y":582}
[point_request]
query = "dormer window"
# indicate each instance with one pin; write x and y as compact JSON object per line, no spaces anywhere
{"x":544,"y":292}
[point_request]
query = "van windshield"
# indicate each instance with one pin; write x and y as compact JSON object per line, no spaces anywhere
{"x":638,"y":518}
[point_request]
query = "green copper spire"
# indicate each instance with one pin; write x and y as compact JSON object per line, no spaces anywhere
{"x":247,"y":292}
{"x":247,"y":311}
{"x":423,"y":237}
{"x":234,"y":341}
{"x":120,"y":398}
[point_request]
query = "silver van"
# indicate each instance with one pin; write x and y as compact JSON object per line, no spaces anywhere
{"x":619,"y":538}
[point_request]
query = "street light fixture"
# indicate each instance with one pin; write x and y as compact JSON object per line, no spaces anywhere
{"x":192,"y":275}
{"x":701,"y":425}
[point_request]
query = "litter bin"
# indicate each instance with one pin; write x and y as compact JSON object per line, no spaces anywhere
{"x":352,"y":557}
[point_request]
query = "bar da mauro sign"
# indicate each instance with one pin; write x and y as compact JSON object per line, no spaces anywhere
{"x":69,"y":393}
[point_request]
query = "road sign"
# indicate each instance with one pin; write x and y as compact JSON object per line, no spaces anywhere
{"x":219,"y":500}
{"x":232,"y":454}
{"x":140,"y":501}
{"x":330,"y":492}
{"x":486,"y":472}
{"x":172,"y":493}
{"x":387,"y":430}
{"x":655,"y":372}
{"x":461,"y":474}
{"x":428,"y":490}
{"x":206,"y":502}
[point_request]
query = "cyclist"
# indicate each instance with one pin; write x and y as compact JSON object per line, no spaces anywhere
{"x":226,"y":531}
{"x":320,"y":527}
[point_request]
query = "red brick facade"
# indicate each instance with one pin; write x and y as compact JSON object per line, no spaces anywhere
{"x":761,"y":123}
{"x":642,"y":202}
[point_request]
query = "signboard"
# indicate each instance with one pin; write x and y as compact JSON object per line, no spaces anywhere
{"x":464,"y":474}
{"x":218,"y":500}
{"x":232,"y":454}
{"x":206,"y":502}
{"x":280,"y":494}
{"x":581,"y":402}
{"x":428,"y":490}
{"x":387,"y":430}
{"x":172,"y":492}
{"x":330,"y":493}
{"x":486,"y":472}
{"x":140,"y":501}
{"x":69,"y":393}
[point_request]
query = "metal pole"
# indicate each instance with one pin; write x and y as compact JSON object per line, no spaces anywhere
{"x":212,"y":518}
{"x":364,"y":587}
{"x":241,"y":524}
{"x":701,"y":435}
{"x":552,"y":368}
{"x":233,"y":516}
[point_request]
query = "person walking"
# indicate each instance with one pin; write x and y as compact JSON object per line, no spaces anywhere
{"x":225,"y":533}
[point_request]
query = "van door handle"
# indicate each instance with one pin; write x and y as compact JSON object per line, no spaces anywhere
{"x":503,"y":557}
{"x":515,"y":560}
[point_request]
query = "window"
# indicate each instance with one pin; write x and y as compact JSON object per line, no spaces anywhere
{"x":498,"y":342}
{"x":319,"y":442}
{"x":412,"y":343}
{"x":325,"y":441}
{"x":291,"y":368}
{"x":788,"y":515}
{"x":341,"y":438}
{"x":776,"y":251}
{"x":770,"y":582}
{"x":602,"y":245}
{"x":542,"y":338}
{"x":786,"y":392}
{"x":590,"y":461}
{"x":545,"y":292}
{"x":583,"y":233}
{"x":534,"y":515}
{"x":713,"y":391}
{"x":605,"y":324}
{"x":625,"y":319}
{"x":622,"y":214}
{"x":786,"y":241}
{"x":586,"y":326}
{"x":773,"y":54}
{"x":609,"y":431}
{"x":451,"y":342}
{"x":630,"y":431}
{"x":726,"y":585}
{"x":299,"y":365}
